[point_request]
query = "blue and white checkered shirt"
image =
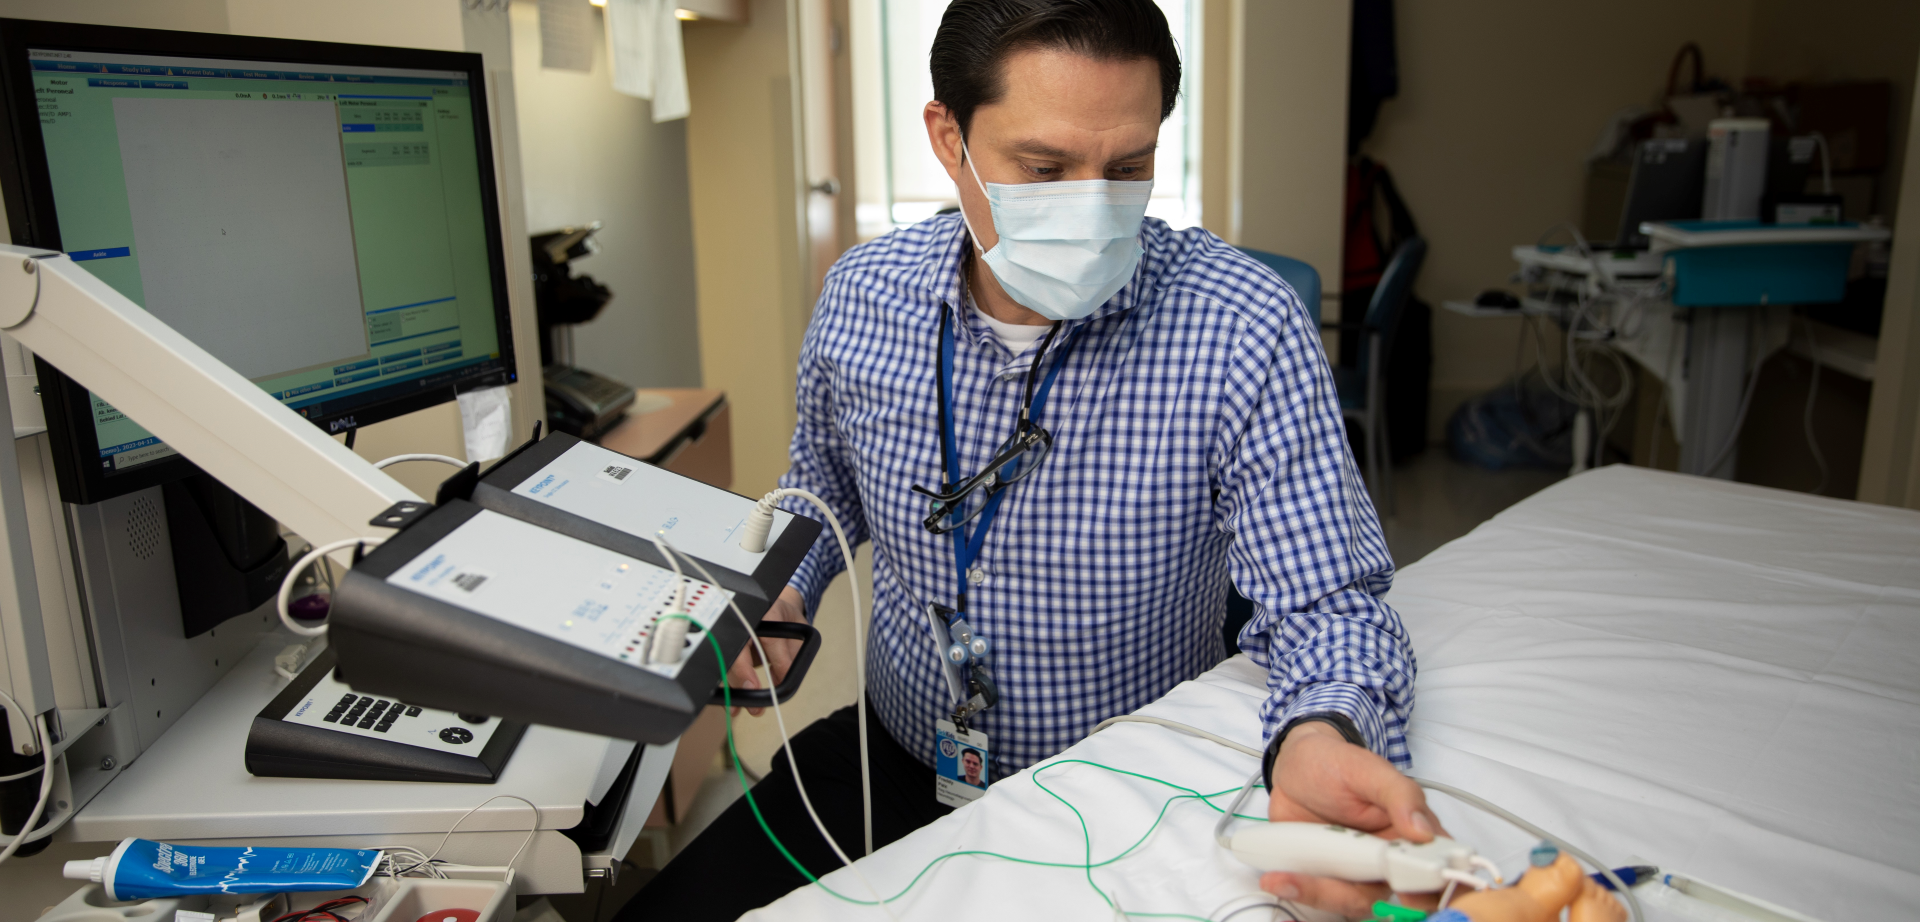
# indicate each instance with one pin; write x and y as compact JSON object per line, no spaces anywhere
{"x":1197,"y":437}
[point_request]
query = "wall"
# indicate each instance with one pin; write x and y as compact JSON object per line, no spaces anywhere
{"x":589,"y":153}
{"x":1286,"y":176}
{"x":1890,"y":467}
{"x":746,"y":231}
{"x":1840,"y":40}
{"x":1219,"y":111}
{"x":1499,"y":102}
{"x":406,"y":23}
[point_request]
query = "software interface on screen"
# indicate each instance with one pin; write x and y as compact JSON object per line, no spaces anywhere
{"x":318,"y":229}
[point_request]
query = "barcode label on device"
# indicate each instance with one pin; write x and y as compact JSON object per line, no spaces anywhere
{"x":615,"y":473}
{"x":469,"y":581}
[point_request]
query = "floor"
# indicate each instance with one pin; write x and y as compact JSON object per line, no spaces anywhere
{"x":1437,"y":499}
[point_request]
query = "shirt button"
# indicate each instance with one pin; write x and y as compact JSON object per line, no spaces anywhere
{"x":977,"y":575}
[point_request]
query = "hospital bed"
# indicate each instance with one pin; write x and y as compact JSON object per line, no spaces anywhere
{"x":1715,"y":678}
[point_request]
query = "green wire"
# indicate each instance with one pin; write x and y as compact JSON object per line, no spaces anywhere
{"x":1086,"y":835}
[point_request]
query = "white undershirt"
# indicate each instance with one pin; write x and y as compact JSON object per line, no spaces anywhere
{"x":1017,"y":337}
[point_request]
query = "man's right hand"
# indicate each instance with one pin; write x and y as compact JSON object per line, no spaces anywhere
{"x":1319,"y":777}
{"x":790,"y":606}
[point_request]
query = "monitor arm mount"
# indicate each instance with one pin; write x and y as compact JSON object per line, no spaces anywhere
{"x":218,"y":419}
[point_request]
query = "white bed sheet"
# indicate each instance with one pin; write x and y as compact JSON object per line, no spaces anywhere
{"x":1719,"y":679}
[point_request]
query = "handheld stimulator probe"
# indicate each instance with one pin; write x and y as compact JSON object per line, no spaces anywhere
{"x":1325,"y":850}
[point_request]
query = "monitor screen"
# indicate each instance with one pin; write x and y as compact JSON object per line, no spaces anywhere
{"x":327,"y":230}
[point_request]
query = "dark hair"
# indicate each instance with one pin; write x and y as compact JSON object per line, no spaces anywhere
{"x":976,"y":36}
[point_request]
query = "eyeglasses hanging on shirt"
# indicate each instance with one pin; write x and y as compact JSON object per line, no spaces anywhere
{"x":958,"y":503}
{"x":963,"y":501}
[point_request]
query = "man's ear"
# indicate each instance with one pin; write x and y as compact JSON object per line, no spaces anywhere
{"x":943,"y":134}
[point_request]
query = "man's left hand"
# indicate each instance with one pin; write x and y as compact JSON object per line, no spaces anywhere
{"x":1319,"y":777}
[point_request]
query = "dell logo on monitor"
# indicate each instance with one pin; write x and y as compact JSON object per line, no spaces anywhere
{"x":339,"y":425}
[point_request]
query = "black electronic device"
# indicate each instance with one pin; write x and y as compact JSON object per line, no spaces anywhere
{"x":321,"y":217}
{"x":1669,"y":177}
{"x":1792,"y":164}
{"x":317,"y":727}
{"x":1498,"y":299}
{"x":584,"y":404}
{"x":535,"y":599}
{"x":228,"y":556}
{"x":579,"y":402}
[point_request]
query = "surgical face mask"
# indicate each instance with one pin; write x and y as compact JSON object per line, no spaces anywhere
{"x":1065,"y":247}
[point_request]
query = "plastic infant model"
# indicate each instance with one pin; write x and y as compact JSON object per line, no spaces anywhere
{"x":1553,"y":883}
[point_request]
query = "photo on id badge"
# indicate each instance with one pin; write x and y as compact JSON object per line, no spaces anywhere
{"x":960,"y":764}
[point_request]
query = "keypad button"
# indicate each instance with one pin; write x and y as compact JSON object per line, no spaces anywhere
{"x":332,"y":718}
{"x":413,"y":710}
{"x":348,"y":700}
{"x":456,"y":735}
{"x":366,"y":723}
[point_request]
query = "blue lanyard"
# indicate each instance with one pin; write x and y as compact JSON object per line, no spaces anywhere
{"x":966,"y":547}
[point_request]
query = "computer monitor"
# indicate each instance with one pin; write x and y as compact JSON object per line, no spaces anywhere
{"x":320,"y":217}
{"x":1669,"y":176}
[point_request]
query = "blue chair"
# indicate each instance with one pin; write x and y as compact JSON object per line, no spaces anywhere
{"x":1362,"y":387}
{"x":1302,"y":277}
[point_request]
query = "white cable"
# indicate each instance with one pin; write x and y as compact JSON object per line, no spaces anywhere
{"x":286,"y":585}
{"x":1475,"y":800}
{"x":786,"y":741}
{"x":1486,"y":864}
{"x":421,"y":861}
{"x":1826,"y":164}
{"x":1472,"y":800}
{"x":674,"y":637}
{"x":1452,"y":877}
{"x":1176,"y":725}
{"x":424,"y":456}
{"x":46,"y":783}
{"x":1739,"y":419}
{"x":762,"y":521}
{"x":531,"y":831}
{"x":1806,"y":417}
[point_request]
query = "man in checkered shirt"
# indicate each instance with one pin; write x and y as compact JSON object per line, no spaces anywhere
{"x":1196,"y":439}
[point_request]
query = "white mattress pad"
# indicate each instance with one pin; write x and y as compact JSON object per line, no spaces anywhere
{"x":1719,"y":679}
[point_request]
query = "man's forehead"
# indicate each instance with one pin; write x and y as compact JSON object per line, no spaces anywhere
{"x":1053,"y":102}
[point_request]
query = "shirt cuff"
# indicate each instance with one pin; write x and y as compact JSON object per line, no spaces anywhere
{"x":811,"y":580}
{"x":1349,"y":701}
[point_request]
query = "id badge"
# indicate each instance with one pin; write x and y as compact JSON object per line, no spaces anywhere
{"x":960,"y":764}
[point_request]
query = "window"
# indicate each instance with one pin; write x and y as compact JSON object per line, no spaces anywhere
{"x":900,"y":182}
